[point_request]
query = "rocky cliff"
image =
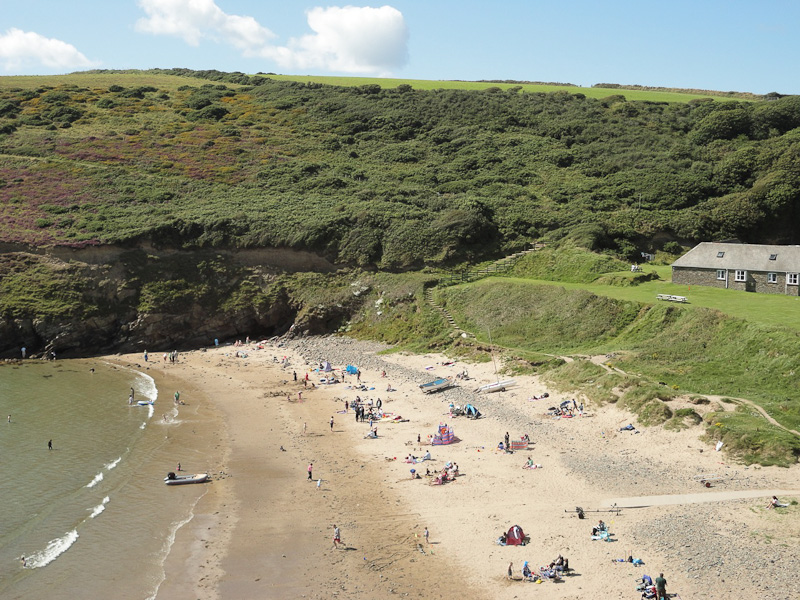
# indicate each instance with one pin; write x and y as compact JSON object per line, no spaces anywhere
{"x":108,"y":299}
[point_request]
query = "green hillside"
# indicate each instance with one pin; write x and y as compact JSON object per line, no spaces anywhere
{"x":392,"y":177}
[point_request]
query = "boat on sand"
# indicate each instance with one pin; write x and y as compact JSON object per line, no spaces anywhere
{"x":173,"y":479}
{"x":437,"y":384}
{"x":497,"y":386}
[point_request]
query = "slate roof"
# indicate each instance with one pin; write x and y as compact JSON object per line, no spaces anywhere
{"x":750,"y":257}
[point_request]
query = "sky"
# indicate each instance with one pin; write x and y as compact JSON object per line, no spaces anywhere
{"x":731,"y":45}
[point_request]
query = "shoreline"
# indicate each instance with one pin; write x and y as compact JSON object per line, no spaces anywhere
{"x":264,"y":531}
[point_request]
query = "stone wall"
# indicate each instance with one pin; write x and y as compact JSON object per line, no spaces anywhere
{"x":756,"y":281}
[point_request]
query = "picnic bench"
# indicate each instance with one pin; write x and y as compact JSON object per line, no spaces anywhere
{"x":671,"y":298}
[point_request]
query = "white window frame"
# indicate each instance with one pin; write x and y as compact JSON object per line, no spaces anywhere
{"x":791,"y":279}
{"x":722,"y":274}
{"x":741,"y":276}
{"x":772,"y":278}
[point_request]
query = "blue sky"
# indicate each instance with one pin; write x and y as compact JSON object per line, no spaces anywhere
{"x":735,"y":45}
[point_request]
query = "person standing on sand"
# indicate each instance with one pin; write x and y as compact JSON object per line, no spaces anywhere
{"x":337,"y":536}
{"x":299,"y":396}
{"x":426,"y":534}
{"x":50,"y":445}
{"x":331,"y":424}
{"x":310,"y":469}
{"x":305,"y":427}
{"x":145,"y":356}
{"x":661,"y":587}
{"x":294,"y":374}
{"x":510,"y":570}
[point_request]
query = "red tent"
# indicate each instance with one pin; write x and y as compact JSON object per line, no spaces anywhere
{"x":515,"y":536}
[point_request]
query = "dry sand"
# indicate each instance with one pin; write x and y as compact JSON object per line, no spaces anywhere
{"x":265,"y":531}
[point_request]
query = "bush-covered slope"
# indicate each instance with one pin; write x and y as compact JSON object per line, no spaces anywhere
{"x":390,"y":177}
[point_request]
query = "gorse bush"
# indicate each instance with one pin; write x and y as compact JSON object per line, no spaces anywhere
{"x":393,"y":177}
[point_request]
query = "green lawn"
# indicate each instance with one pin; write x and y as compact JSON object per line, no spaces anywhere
{"x":766,"y":309}
{"x":424,"y":84}
{"x":101,"y":81}
{"x":171,"y":82}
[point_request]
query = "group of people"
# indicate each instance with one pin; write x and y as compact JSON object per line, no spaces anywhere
{"x":413,"y":459}
{"x":448,"y":473}
{"x":656,"y":590}
{"x":552,"y":571}
{"x":365,"y":410}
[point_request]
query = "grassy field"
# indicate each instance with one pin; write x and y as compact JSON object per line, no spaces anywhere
{"x":171,"y":82}
{"x":770,"y":310}
{"x":424,"y":84}
{"x":100,"y":81}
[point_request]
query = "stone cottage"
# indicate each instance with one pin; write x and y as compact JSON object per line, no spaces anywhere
{"x":748,"y":267}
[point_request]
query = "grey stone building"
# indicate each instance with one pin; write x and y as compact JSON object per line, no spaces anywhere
{"x":748,"y":267}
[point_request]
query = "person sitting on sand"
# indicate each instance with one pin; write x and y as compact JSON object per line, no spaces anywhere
{"x":502,"y":540}
{"x":775,"y":503}
{"x":501,"y":447}
{"x":599,"y":527}
{"x":427,"y":455}
{"x":529,"y":464}
{"x":560,"y":563}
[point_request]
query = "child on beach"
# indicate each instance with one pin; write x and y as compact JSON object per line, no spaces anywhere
{"x":336,"y":536}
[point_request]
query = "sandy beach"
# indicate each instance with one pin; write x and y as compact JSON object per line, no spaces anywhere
{"x":263,"y":530}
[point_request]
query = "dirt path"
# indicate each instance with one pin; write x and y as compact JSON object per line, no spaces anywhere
{"x":602,"y":359}
{"x":752,"y":404}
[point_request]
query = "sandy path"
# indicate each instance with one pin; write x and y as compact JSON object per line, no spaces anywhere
{"x":644,"y":501}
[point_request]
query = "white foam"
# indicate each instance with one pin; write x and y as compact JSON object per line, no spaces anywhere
{"x":113,"y":464}
{"x":99,"y":508}
{"x":55,"y":548}
{"x":146,"y":386}
{"x":97,"y":479}
{"x":150,"y":411}
{"x":143,"y":425}
{"x":170,"y":541}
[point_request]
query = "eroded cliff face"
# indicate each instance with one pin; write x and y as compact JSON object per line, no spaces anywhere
{"x":78,"y":303}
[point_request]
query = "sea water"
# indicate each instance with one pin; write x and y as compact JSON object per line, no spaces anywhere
{"x":91,"y":516}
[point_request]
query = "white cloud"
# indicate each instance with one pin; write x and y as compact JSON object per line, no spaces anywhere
{"x":346,"y":39}
{"x":194,"y":20}
{"x":24,"y":49}
{"x":350,"y":39}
